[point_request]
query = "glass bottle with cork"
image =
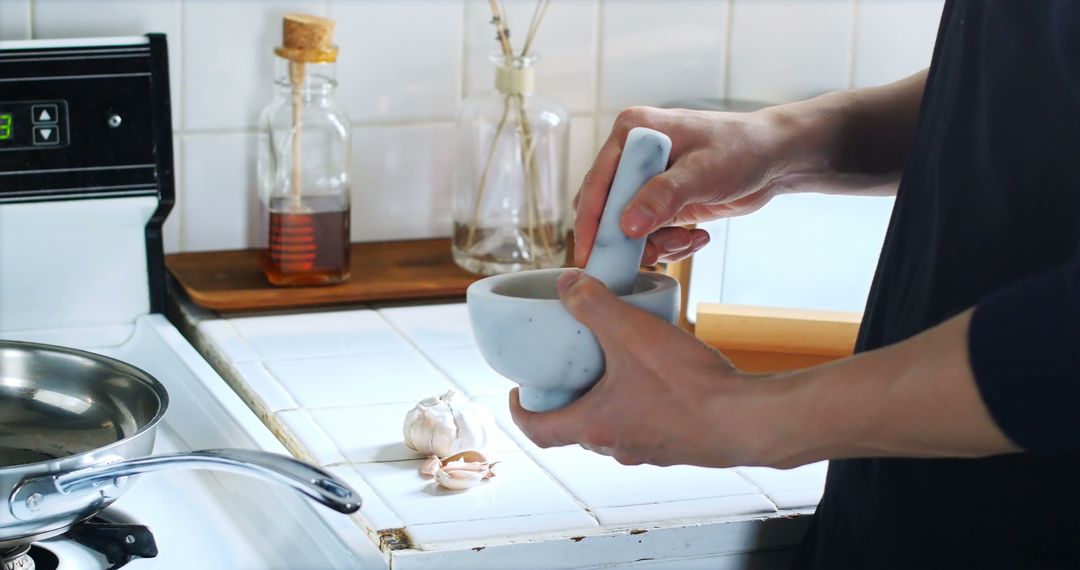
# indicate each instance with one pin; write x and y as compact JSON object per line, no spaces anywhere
{"x":304,"y":161}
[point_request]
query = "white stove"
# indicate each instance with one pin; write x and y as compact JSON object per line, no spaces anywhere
{"x":85,"y":184}
{"x":205,"y":519}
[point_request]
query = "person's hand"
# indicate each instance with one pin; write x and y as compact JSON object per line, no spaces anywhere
{"x":665,"y":398}
{"x":722,"y":164}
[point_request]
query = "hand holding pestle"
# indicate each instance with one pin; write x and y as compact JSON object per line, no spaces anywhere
{"x":615,"y":258}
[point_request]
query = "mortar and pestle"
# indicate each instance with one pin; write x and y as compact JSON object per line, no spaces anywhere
{"x":522,"y":328}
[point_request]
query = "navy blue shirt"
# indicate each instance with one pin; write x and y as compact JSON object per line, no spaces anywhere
{"x":987,"y":215}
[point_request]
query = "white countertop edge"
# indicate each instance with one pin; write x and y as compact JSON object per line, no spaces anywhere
{"x":611,"y":547}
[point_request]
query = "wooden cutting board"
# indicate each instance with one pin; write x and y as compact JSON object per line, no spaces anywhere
{"x":230,"y":281}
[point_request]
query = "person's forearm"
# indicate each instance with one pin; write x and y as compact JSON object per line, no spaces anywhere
{"x":852,"y":142}
{"x":916,"y":398}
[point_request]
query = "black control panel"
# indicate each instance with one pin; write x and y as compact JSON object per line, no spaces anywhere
{"x":80,"y":122}
{"x":89,"y":119}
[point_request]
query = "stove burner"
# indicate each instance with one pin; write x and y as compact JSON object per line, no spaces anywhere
{"x":17,"y":558}
{"x":119,"y":542}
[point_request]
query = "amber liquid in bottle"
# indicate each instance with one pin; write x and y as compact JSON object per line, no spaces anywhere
{"x":308,"y":245}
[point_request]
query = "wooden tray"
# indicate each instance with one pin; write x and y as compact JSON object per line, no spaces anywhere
{"x":231,"y":281}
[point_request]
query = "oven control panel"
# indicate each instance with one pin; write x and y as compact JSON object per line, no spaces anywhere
{"x":82,"y":119}
{"x":33,"y":124}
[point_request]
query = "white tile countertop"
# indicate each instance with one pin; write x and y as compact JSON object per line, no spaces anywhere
{"x":334,"y":386}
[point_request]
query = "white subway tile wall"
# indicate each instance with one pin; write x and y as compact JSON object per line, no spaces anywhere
{"x":400,"y":61}
{"x":219,"y":206}
{"x":406,"y":65}
{"x":652,"y":52}
{"x":228,"y":59}
{"x":893,"y":39}
{"x":784,"y":50}
{"x":401,"y":181}
{"x":14,"y":19}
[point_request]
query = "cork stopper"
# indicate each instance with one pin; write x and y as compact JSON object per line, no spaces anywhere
{"x":307,"y":39}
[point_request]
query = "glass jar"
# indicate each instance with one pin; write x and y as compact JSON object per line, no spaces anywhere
{"x":509,"y":202}
{"x":304,"y":178}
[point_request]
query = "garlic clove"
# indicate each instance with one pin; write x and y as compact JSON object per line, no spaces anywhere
{"x":467,"y":456}
{"x":463,"y":466}
{"x":458,"y":479}
{"x":463,"y":474}
{"x":430,"y":466}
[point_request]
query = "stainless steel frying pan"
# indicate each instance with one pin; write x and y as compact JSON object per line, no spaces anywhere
{"x":76,"y":426}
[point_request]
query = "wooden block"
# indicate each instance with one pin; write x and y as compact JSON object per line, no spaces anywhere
{"x":766,"y":339}
{"x":762,"y":362}
{"x":384,"y":271}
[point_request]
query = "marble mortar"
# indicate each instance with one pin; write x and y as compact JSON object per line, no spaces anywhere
{"x":522,"y":328}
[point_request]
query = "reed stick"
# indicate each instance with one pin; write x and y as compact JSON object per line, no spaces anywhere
{"x":534,"y":26}
{"x":501,"y":28}
{"x":470,"y":240}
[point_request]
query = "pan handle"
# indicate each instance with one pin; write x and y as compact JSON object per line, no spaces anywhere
{"x":45,"y":495}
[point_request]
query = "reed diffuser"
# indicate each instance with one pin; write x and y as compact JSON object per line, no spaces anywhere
{"x":509,"y":207}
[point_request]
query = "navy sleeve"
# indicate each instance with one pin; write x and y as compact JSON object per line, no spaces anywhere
{"x":1025,"y":351}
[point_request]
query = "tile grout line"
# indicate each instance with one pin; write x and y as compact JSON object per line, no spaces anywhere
{"x":416,"y":348}
{"x":854,"y":42}
{"x":230,"y":374}
{"x":599,"y":67}
{"x":419,"y":122}
{"x":728,"y":43}
{"x":463,"y":56}
{"x":179,"y":191}
{"x":347,"y":406}
{"x":322,"y":355}
{"x":756,"y":486}
{"x":559,"y":484}
{"x":273,"y":415}
{"x":439,"y":122}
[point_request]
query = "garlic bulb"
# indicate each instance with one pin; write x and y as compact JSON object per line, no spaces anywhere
{"x":444,"y":425}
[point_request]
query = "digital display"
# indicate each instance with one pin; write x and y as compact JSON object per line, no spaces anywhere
{"x":5,"y":126}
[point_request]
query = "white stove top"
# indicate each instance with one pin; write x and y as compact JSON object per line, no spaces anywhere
{"x":203,"y":519}
{"x":191,"y":517}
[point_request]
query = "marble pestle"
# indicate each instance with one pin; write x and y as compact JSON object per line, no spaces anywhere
{"x":615,"y":258}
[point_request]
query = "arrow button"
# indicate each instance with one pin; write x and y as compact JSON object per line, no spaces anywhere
{"x":46,"y":135}
{"x":44,"y":113}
